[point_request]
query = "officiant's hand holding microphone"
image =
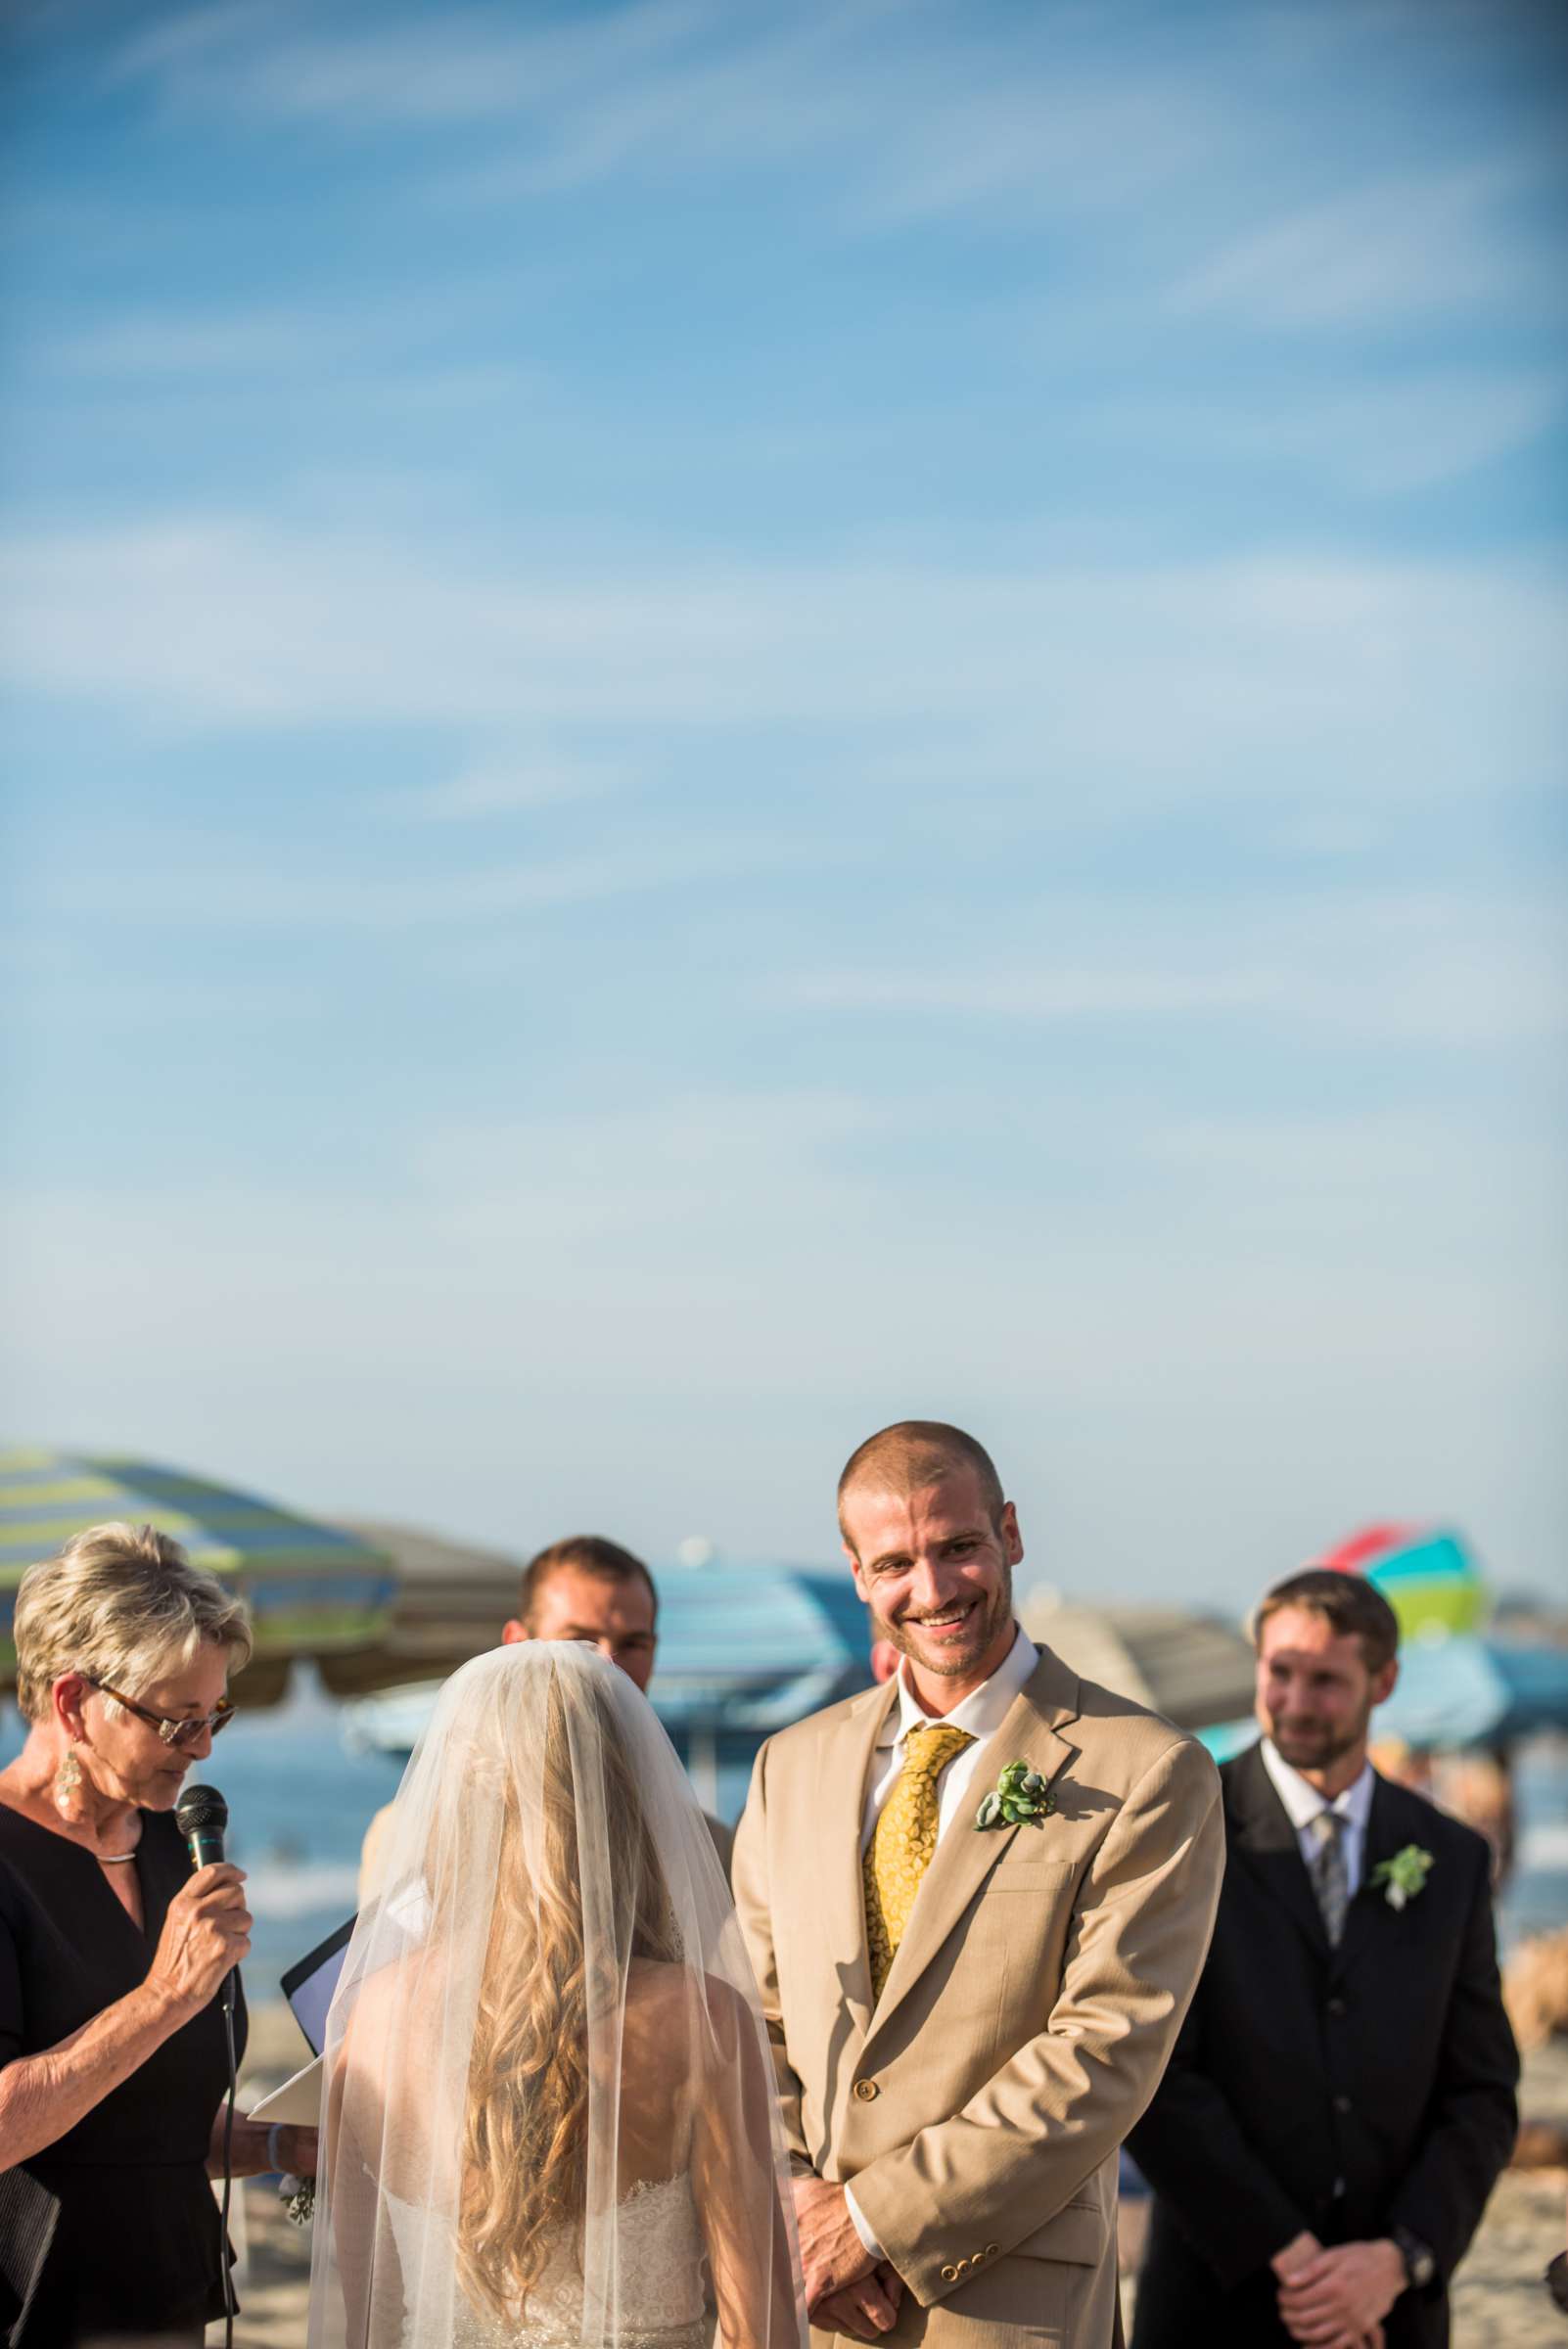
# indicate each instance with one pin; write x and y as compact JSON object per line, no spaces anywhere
{"x":212,"y":1935}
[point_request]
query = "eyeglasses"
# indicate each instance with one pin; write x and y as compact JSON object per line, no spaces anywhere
{"x":178,"y":1733}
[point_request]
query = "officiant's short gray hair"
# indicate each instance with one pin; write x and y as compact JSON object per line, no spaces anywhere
{"x":119,"y":1603}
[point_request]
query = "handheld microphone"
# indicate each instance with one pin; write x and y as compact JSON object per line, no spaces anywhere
{"x":200,"y":1815}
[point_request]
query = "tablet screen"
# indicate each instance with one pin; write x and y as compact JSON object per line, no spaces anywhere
{"x":309,"y":1986}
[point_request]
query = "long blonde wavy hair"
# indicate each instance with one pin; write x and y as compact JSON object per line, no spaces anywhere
{"x":524,"y":2159}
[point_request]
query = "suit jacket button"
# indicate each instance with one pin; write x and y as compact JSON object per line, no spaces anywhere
{"x":1336,"y":2006}
{"x":1343,"y":2104}
{"x":867,"y":2090}
{"x":949,"y":2273}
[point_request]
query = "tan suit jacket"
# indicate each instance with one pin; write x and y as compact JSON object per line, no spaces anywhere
{"x":1028,"y":2013}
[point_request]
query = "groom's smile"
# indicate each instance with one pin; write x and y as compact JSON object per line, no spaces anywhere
{"x":935,"y":1566}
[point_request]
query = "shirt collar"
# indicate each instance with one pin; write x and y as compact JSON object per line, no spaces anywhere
{"x":982,"y":1712}
{"x":1303,"y":1802}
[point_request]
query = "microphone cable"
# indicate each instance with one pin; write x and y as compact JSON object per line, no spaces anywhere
{"x":202,"y":1814}
{"x":225,"y":2251}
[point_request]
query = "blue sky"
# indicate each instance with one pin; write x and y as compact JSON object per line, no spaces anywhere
{"x":727,"y":720}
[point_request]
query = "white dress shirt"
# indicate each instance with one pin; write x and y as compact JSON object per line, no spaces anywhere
{"x":982,"y":1713}
{"x":1302,"y":1803}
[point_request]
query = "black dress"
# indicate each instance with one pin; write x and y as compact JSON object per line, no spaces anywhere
{"x":113,"y":2229}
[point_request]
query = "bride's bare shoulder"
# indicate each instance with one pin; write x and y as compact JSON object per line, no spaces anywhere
{"x":687,"y":2006}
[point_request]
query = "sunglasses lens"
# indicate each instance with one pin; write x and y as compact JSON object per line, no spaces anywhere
{"x":221,"y":1721}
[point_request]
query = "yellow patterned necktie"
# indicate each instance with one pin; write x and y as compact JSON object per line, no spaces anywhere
{"x":902,"y":1842}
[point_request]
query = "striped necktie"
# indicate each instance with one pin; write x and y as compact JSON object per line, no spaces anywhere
{"x":1330,"y":1879}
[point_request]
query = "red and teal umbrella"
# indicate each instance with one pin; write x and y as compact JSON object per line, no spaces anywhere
{"x":1427,"y":1573}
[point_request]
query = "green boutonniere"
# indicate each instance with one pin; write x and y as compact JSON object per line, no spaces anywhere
{"x":1402,"y":1877}
{"x":1019,"y":1794}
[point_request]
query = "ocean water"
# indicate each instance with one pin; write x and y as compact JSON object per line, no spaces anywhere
{"x":300,"y":1803}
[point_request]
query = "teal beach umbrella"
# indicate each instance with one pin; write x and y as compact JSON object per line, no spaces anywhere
{"x":311,"y":1589}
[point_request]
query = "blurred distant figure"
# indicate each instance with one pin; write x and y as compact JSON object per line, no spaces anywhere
{"x":1402,"y":1765}
{"x":884,"y":1661}
{"x":1478,"y":1787}
{"x":1340,"y":2098}
{"x":584,"y":1589}
{"x":1557,"y":2281}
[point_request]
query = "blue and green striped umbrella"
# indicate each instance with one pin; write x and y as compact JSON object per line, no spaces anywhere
{"x":311,"y":1590}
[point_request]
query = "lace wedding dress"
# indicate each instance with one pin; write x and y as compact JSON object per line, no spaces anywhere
{"x":661,"y":2290}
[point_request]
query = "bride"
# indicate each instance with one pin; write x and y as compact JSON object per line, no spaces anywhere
{"x":548,"y":2110}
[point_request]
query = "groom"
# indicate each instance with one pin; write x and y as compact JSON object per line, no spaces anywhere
{"x":967,"y":2019}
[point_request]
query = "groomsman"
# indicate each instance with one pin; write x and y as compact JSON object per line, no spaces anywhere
{"x":1340,"y":2098}
{"x":584,"y":1589}
{"x":976,"y":1900}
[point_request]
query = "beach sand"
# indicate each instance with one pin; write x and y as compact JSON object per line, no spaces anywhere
{"x":1498,"y":2299}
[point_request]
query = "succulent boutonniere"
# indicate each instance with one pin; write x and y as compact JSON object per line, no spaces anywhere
{"x":299,"y":2198}
{"x":1019,"y":1794}
{"x":1402,"y":1877}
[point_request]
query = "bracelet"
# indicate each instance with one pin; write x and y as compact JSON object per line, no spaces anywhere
{"x":274,"y":2158}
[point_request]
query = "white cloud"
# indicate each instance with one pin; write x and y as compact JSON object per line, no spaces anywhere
{"x":467,"y":65}
{"x":181,"y":344}
{"x":1385,"y":253}
{"x":305,"y":897}
{"x":924,"y":116}
{"x":1391,"y":967}
{"x":1050,"y":994}
{"x":1385,"y":439}
{"x":1202,"y":679}
{"x":509,"y":783}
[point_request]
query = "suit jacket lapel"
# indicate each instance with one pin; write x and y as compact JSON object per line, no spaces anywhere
{"x":1031,"y":1731}
{"x":844,"y":1762}
{"x":1260,"y":1831}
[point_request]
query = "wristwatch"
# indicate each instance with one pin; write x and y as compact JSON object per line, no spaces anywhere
{"x":1420,"y":2266}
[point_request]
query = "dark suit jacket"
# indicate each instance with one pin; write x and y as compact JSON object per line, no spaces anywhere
{"x":1347,"y":2091}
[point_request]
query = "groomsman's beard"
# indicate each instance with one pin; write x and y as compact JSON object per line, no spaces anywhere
{"x":946,"y":1661}
{"x":1314,"y":1745}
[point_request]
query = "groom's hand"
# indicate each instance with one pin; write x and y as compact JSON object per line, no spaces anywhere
{"x":832,"y":2253}
{"x":866,"y":2310}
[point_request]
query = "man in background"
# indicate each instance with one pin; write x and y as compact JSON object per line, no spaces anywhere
{"x":593,"y":1591}
{"x":583,"y":1589}
{"x":1341,"y":2098}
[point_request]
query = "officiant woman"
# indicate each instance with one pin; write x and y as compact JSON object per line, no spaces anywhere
{"x":112,"y":2060}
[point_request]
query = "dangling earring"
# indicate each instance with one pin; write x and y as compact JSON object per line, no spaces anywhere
{"x":67,"y":1787}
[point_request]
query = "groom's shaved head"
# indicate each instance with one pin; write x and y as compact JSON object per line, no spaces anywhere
{"x":911,"y":1454}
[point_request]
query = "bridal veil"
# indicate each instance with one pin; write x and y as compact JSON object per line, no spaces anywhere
{"x":548,"y":2113}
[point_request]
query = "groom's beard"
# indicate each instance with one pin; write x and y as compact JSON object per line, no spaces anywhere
{"x":961,"y":1651}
